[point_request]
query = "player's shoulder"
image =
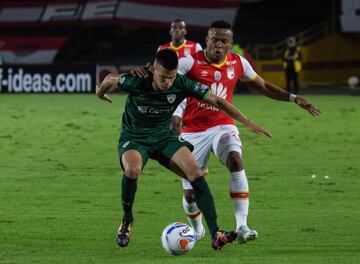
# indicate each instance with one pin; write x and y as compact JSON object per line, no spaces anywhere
{"x":190,"y":42}
{"x":198,"y":55}
{"x":232,"y":55}
{"x":182,"y":80}
{"x":164,"y":46}
{"x":128,"y":79}
{"x":186,"y":63}
{"x":235,"y":58}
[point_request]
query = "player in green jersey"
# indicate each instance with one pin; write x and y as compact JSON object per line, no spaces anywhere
{"x":145,"y":134}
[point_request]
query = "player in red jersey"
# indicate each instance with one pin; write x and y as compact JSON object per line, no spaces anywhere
{"x":183,"y":47}
{"x":208,"y":129}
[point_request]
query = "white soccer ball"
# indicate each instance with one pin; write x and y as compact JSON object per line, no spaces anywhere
{"x":178,"y":238}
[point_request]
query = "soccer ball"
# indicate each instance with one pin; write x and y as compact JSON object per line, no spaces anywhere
{"x":178,"y":238}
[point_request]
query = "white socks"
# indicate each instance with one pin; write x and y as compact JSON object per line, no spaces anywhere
{"x":194,"y":216}
{"x":239,"y":193}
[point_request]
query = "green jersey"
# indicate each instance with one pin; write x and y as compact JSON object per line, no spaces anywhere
{"x":148,"y":112}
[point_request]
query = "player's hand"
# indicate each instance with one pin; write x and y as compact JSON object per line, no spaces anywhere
{"x":102,"y":96}
{"x":142,"y":71}
{"x":308,"y":106}
{"x":259,"y":130}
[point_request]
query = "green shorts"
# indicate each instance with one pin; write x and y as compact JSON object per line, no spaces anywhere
{"x":161,"y":151}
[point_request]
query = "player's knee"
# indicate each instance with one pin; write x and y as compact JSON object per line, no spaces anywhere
{"x":189,"y":196}
{"x":234,"y":161}
{"x":133,"y":172}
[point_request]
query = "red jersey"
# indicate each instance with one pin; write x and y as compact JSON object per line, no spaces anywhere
{"x":221,"y":79}
{"x":187,"y":48}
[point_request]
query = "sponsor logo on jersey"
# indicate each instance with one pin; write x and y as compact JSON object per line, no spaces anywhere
{"x":230,"y":72}
{"x":171,"y":98}
{"x":142,"y":109}
{"x":181,"y":139}
{"x":204,"y":73}
{"x":219,"y":90}
{"x":122,"y":79}
{"x":155,"y":110}
{"x":231,"y":62}
{"x":126,"y":144}
{"x":207,"y":106}
{"x":217,"y":76}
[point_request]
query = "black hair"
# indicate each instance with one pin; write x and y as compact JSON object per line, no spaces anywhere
{"x":167,"y":58}
{"x":178,"y":20}
{"x":221,"y":24}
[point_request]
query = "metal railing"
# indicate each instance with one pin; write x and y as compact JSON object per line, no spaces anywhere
{"x":276,"y":51}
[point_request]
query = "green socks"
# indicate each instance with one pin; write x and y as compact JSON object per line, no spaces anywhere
{"x":129,"y":187}
{"x":205,"y":202}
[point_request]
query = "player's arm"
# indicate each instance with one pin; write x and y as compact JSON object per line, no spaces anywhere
{"x":109,"y":82}
{"x":273,"y":91}
{"x":175,"y":125}
{"x":234,"y":113}
{"x":176,"y":120}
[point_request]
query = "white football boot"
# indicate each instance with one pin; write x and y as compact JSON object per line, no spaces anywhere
{"x":244,"y":234}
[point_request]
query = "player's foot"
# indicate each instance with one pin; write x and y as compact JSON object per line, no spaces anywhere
{"x":200,"y":235}
{"x":123,"y":235}
{"x":245,"y":234}
{"x":222,"y":238}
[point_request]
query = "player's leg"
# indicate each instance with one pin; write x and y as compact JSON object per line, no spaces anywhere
{"x":228,"y":149}
{"x":296,"y":83}
{"x":288,"y":80}
{"x":201,"y":153}
{"x":131,"y":161}
{"x":184,"y":161}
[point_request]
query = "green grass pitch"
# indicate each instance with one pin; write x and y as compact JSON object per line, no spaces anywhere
{"x":60,"y":185}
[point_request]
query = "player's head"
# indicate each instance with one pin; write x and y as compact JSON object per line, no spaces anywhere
{"x":178,"y":30}
{"x":218,"y":40}
{"x":165,"y":69}
{"x":291,"y":41}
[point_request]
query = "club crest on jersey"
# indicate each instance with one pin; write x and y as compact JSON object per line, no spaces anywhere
{"x":187,"y":52}
{"x":217,"y":76}
{"x":230,"y":72}
{"x":171,"y":98}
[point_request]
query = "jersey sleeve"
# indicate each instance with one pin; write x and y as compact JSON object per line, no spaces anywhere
{"x":195,"y":89}
{"x":198,"y":47}
{"x":185,"y":64}
{"x":249,"y":73}
{"x":180,"y":109}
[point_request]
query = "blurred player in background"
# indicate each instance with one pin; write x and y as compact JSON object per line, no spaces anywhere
{"x":183,"y":47}
{"x":208,"y":129}
{"x":145,"y":134}
{"x":292,"y":65}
